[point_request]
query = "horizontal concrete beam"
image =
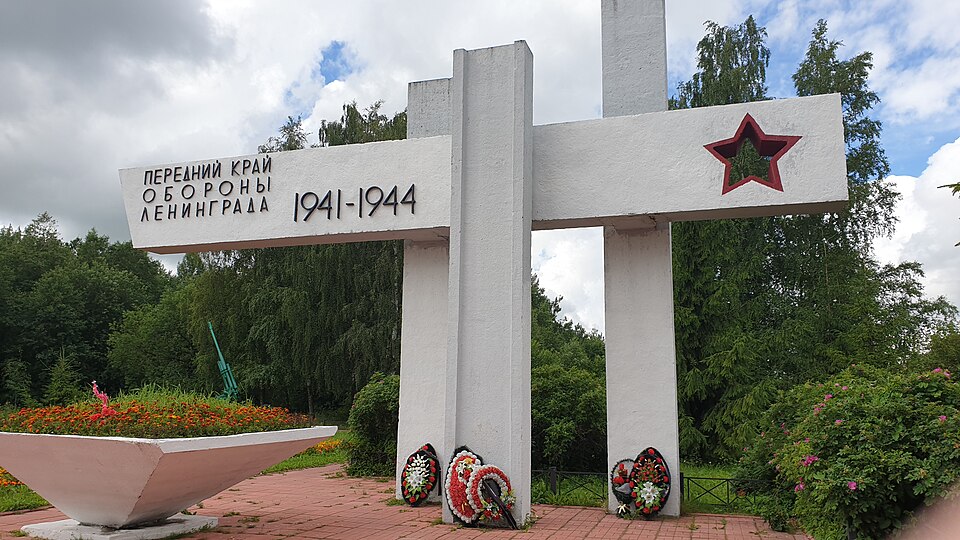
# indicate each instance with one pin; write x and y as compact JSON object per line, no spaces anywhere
{"x":611,"y":171}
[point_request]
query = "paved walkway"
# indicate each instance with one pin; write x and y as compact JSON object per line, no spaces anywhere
{"x":323,"y":503}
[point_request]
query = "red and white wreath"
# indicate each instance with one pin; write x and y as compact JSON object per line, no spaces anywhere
{"x":458,"y":475}
{"x":487,"y":508}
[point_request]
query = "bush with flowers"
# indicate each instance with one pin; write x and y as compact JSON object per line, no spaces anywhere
{"x":152,"y":412}
{"x":860,"y":452}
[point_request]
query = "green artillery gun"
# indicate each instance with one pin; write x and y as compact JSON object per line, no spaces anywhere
{"x":230,"y":389}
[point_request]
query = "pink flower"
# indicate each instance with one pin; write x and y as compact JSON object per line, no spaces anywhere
{"x":844,"y":388}
{"x":838,"y":422}
{"x":938,"y":370}
{"x":852,"y":485}
{"x":942,"y":418}
{"x":828,"y":397}
{"x":809,"y":460}
{"x":798,"y":488}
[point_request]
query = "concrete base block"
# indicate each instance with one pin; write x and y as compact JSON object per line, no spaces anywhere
{"x":117,"y":482}
{"x":69,"y":529}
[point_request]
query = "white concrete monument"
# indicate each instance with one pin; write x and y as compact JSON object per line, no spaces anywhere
{"x":464,"y":192}
{"x":123,"y":487}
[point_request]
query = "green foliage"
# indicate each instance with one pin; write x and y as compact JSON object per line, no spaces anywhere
{"x":65,"y":386}
{"x":864,"y":449}
{"x":61,"y":300}
{"x":161,"y":395}
{"x":705,"y":494}
{"x":151,"y":345}
{"x":16,"y":384}
{"x":373,"y":420}
{"x":732,"y":67}
{"x":291,"y":137}
{"x":568,"y":418}
{"x":944,"y":352}
{"x":568,"y":390}
{"x":361,"y":127}
{"x":571,"y":491}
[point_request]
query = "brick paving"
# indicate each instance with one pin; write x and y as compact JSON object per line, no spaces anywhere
{"x":323,"y":503}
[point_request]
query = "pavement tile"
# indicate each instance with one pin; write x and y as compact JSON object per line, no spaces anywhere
{"x":323,"y":504}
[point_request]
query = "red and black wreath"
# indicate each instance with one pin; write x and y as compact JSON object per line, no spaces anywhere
{"x":641,"y":485}
{"x":419,"y":475}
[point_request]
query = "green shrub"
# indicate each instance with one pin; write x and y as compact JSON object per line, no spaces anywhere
{"x":568,"y":418}
{"x":373,"y":420}
{"x":861,"y":451}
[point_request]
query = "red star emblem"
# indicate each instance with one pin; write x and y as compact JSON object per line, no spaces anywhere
{"x":769,"y":147}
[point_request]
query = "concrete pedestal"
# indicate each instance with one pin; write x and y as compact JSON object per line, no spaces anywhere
{"x":424,"y":366}
{"x":489,"y":295}
{"x":69,"y":529}
{"x":119,"y":482}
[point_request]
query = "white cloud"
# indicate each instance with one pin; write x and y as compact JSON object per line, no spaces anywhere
{"x":569,"y":263}
{"x":929,"y":226}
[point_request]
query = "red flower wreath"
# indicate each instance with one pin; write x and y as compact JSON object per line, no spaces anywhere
{"x":622,"y":487}
{"x":650,"y":479}
{"x":419,"y":475}
{"x":461,"y":467}
{"x":486,"y":508}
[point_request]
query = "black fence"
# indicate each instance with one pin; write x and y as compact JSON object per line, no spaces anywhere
{"x":719,"y":491}
{"x":552,"y":486}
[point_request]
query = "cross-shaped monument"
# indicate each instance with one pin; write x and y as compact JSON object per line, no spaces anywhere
{"x":465,"y":190}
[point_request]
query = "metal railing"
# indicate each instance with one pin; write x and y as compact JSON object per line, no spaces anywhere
{"x":576,"y":488}
{"x":561,"y":485}
{"x":719,"y":491}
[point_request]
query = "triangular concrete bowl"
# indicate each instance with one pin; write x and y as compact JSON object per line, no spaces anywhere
{"x":118,"y":481}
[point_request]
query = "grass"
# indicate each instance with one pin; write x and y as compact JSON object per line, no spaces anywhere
{"x":691,"y":505}
{"x":19,"y":498}
{"x":159,"y":395}
{"x":571,"y":491}
{"x":317,"y":457}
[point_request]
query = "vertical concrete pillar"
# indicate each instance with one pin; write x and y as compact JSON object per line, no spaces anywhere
{"x":424,"y":368}
{"x":489,"y":279}
{"x":638,"y":272}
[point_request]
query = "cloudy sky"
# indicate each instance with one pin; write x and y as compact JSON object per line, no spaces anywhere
{"x":91,"y":87}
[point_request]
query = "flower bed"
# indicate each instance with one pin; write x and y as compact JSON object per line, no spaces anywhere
{"x":155,"y":417}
